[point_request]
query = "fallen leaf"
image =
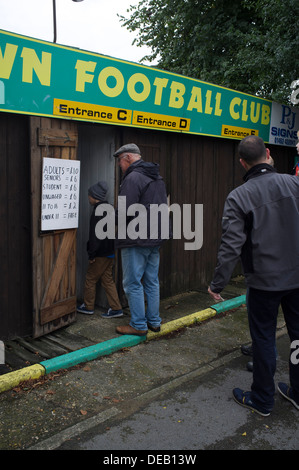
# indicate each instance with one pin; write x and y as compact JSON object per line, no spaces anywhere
{"x":167,"y":307}
{"x":83,"y":412}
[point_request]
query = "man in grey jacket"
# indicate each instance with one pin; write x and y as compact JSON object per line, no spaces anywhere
{"x":261,"y":225}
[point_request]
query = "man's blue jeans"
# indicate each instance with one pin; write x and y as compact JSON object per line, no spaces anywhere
{"x":140,"y":267}
{"x":262,"y":315}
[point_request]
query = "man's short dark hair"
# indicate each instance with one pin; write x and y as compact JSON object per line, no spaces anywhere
{"x":252,"y":149}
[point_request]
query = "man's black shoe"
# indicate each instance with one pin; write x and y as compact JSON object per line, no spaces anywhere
{"x":155,"y":329}
{"x":246,"y":350}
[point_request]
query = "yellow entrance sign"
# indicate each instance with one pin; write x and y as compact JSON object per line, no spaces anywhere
{"x":160,"y":121}
{"x":233,"y":132}
{"x":77,"y":110}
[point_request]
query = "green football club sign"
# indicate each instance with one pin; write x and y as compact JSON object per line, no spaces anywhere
{"x":41,"y":78}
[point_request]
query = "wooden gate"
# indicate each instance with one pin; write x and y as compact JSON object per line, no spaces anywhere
{"x":54,"y":252}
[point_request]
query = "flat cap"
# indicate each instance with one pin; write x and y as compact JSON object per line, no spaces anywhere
{"x":129,"y":148}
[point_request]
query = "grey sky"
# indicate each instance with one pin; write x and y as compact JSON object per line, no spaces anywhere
{"x":91,"y":25}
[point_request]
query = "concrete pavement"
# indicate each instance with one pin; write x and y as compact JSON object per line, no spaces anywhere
{"x":178,"y":312}
{"x":60,"y":405}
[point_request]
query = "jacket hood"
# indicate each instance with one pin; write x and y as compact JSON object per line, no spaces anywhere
{"x":151,"y":170}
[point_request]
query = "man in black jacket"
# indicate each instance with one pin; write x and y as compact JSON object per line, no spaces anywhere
{"x":141,"y":187}
{"x":100,"y":256}
{"x":261,"y":225}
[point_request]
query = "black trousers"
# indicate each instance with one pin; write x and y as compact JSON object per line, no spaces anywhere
{"x":262,"y":307}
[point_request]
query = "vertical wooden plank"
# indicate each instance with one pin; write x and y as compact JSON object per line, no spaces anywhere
{"x":37,"y":259}
{"x":48,"y":258}
{"x":195,"y":196}
{"x":174,"y":199}
{"x":4,"y":240}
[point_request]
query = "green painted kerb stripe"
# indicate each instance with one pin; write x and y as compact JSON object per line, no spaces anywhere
{"x":91,"y":352}
{"x":229,"y":304}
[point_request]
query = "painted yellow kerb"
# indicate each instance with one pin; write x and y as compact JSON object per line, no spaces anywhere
{"x":183,"y":322}
{"x":12,"y":379}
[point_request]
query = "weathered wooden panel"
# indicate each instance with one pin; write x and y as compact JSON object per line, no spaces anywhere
{"x":57,"y":310}
{"x":57,"y":137}
{"x":15,"y":238}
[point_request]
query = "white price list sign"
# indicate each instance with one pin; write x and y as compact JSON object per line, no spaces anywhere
{"x":60,"y":194}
